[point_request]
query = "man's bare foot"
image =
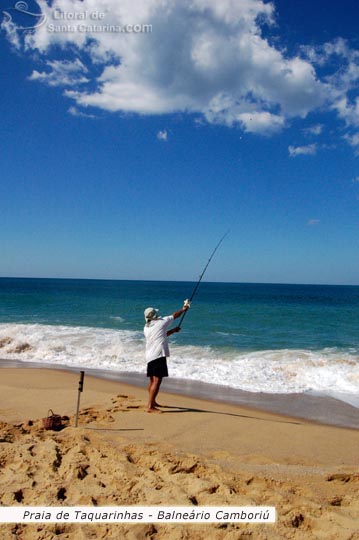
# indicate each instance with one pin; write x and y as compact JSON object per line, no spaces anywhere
{"x":152,"y":410}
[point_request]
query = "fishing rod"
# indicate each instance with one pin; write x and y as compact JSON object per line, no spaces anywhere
{"x":201,"y":276}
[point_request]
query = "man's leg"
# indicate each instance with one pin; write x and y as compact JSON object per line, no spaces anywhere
{"x":153,"y":389}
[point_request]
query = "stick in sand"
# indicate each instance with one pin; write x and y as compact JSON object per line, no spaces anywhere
{"x":81,"y":387}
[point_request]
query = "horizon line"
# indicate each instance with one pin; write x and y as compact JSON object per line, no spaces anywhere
{"x":184,"y":281}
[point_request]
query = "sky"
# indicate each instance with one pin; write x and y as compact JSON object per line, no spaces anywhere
{"x":133,"y":135}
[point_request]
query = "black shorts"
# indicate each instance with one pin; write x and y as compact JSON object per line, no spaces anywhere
{"x":157,"y":368}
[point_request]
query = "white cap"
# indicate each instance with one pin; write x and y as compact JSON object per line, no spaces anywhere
{"x":151,"y":313}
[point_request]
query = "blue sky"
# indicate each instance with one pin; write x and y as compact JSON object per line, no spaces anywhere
{"x":127,"y":155}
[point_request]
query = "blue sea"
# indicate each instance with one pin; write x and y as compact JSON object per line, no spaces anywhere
{"x":261,"y":338}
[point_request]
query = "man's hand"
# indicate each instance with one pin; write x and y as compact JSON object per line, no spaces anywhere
{"x":186,"y":306}
{"x":173,"y":331}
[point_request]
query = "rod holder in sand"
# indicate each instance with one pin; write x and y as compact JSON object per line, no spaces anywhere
{"x":81,"y":387}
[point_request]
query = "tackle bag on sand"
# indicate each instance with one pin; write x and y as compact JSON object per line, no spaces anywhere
{"x":52,"y":421}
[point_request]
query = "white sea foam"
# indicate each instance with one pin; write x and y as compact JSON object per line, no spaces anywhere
{"x":74,"y":346}
{"x":328,"y":371}
{"x":117,"y":318}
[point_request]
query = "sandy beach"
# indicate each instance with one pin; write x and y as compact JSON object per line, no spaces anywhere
{"x":197,"y":452}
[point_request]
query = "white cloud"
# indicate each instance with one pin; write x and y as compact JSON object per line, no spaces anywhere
{"x":309,"y":150}
{"x":353,"y":140}
{"x":320,"y":54}
{"x":349,"y":112}
{"x":313,"y":222}
{"x":205,"y":57}
{"x":314,"y":130}
{"x":62,"y":73}
{"x":261,"y":122}
{"x":9,"y":27}
{"x":162,"y":135}
{"x":202,"y":56}
{"x":342,"y":81}
{"x":75,"y":112}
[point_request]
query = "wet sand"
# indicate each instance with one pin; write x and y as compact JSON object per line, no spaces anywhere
{"x":315,"y":408}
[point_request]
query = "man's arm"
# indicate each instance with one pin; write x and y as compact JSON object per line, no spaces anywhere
{"x":177,"y":314}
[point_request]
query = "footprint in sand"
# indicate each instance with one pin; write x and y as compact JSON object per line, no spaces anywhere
{"x":343,"y":477}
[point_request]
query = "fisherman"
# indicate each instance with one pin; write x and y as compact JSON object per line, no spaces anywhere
{"x":157,"y":350}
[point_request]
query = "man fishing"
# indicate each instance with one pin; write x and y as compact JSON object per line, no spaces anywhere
{"x":156,"y":335}
{"x":157,"y":350}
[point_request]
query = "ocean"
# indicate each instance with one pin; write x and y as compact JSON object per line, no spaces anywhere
{"x":260,"y":338}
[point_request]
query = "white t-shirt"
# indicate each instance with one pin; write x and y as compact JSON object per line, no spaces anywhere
{"x":156,"y":338}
